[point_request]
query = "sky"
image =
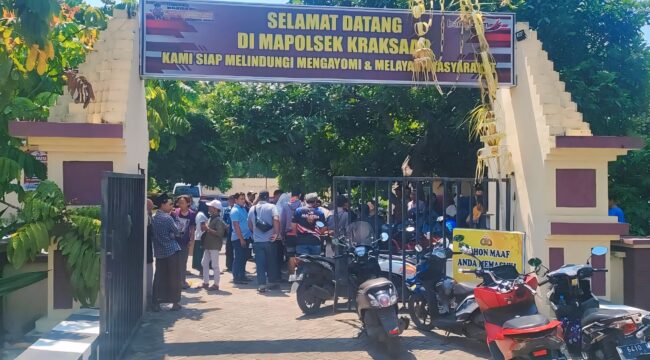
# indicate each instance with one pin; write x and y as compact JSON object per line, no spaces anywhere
{"x":646,"y":30}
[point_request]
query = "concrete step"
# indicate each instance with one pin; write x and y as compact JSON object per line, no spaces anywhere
{"x":556,"y":130}
{"x":578,"y":132}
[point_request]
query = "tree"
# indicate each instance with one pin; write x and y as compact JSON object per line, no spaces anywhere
{"x":40,"y":40}
{"x":198,"y":157}
{"x":310,"y":133}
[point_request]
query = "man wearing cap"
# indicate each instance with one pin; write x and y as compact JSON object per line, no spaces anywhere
{"x":264,"y":222}
{"x":214,"y":232}
{"x":241,"y":237}
{"x":167,"y":279}
{"x":304,"y":222}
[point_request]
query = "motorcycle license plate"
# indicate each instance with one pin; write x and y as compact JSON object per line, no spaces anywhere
{"x":632,"y":351}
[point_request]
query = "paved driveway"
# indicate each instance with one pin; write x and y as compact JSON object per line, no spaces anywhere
{"x":239,"y":323}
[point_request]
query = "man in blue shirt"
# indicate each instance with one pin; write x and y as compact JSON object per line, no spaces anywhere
{"x":240,"y":239}
{"x":167,"y":279}
{"x":614,"y":210}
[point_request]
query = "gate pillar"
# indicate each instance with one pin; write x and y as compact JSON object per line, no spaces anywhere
{"x":80,"y":144}
{"x":558,"y":168}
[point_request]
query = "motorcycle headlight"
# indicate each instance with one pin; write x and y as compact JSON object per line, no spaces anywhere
{"x":360,"y":251}
{"x":373,"y":300}
{"x":383,"y":299}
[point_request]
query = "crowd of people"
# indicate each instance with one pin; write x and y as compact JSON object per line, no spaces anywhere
{"x":276,"y":229}
{"x":251,"y":223}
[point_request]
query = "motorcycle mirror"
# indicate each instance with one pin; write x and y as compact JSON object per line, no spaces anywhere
{"x":418,"y":248}
{"x":459,"y":238}
{"x":599,"y":250}
{"x":320,"y":224}
{"x":535,"y":262}
{"x":440,"y":219}
{"x":384,"y":237}
{"x":410,"y":228}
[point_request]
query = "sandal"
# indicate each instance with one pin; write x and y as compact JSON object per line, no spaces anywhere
{"x":206,"y":286}
{"x":213,"y":288}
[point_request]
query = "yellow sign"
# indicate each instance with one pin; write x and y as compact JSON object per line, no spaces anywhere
{"x":492,"y":247}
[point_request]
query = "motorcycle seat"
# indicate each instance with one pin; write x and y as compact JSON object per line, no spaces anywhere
{"x":463,"y":289}
{"x":593,"y":315}
{"x":319,"y":258}
{"x":373,"y":284}
{"x":526,"y":322}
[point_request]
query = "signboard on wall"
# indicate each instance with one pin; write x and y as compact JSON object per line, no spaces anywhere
{"x":492,"y":247}
{"x":207,"y":40}
{"x":31,"y":183}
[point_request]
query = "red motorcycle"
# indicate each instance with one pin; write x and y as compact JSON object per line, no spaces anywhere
{"x":515,"y":328}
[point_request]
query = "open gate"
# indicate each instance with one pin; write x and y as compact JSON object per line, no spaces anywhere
{"x":391,"y":204}
{"x":123,"y":257}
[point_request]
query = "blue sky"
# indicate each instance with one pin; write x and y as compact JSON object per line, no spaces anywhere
{"x":646,"y":30}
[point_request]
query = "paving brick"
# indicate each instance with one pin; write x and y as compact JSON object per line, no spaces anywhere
{"x":237,"y":323}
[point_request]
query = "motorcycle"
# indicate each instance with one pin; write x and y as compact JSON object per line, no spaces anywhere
{"x":376,"y":297}
{"x":515,"y":328}
{"x":314,"y":281}
{"x":592,"y":330}
{"x":438,"y":301}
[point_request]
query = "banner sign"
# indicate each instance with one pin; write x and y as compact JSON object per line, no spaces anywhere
{"x":492,"y":247}
{"x":206,"y":40}
{"x":31,"y":183}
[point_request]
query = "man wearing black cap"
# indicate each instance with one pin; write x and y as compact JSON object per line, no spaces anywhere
{"x":167,"y":279}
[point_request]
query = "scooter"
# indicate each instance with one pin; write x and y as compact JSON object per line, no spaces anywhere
{"x":592,"y":330}
{"x":314,"y":281}
{"x":515,"y":328}
{"x":438,"y":301}
{"x":376,"y":297}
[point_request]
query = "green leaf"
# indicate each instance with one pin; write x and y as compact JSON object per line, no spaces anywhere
{"x":9,"y":170}
{"x":18,"y":256}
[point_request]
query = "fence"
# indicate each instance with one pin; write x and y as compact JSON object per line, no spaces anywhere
{"x":123,"y":244}
{"x":393,"y":204}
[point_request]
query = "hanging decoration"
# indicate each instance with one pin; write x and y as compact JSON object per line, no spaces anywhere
{"x":481,"y":120}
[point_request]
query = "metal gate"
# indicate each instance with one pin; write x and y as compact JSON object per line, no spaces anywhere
{"x":123,"y":257}
{"x":387,"y":203}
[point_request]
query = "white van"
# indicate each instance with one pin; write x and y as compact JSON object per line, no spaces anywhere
{"x":186,"y":189}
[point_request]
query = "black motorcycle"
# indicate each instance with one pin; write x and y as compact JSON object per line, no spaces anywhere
{"x":375,"y":297}
{"x":314,"y":282}
{"x":438,"y":301}
{"x":592,"y":330}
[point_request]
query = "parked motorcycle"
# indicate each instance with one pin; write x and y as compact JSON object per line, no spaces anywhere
{"x":438,"y":301}
{"x":314,"y":282}
{"x":376,"y":297}
{"x":515,"y":328}
{"x":592,"y":330}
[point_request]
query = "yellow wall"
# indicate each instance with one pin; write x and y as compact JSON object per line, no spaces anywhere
{"x":23,"y":307}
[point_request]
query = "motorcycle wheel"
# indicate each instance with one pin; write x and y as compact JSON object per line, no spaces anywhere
{"x":307,"y":304}
{"x":393,"y":346}
{"x":476,"y":328}
{"x":420,"y":313}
